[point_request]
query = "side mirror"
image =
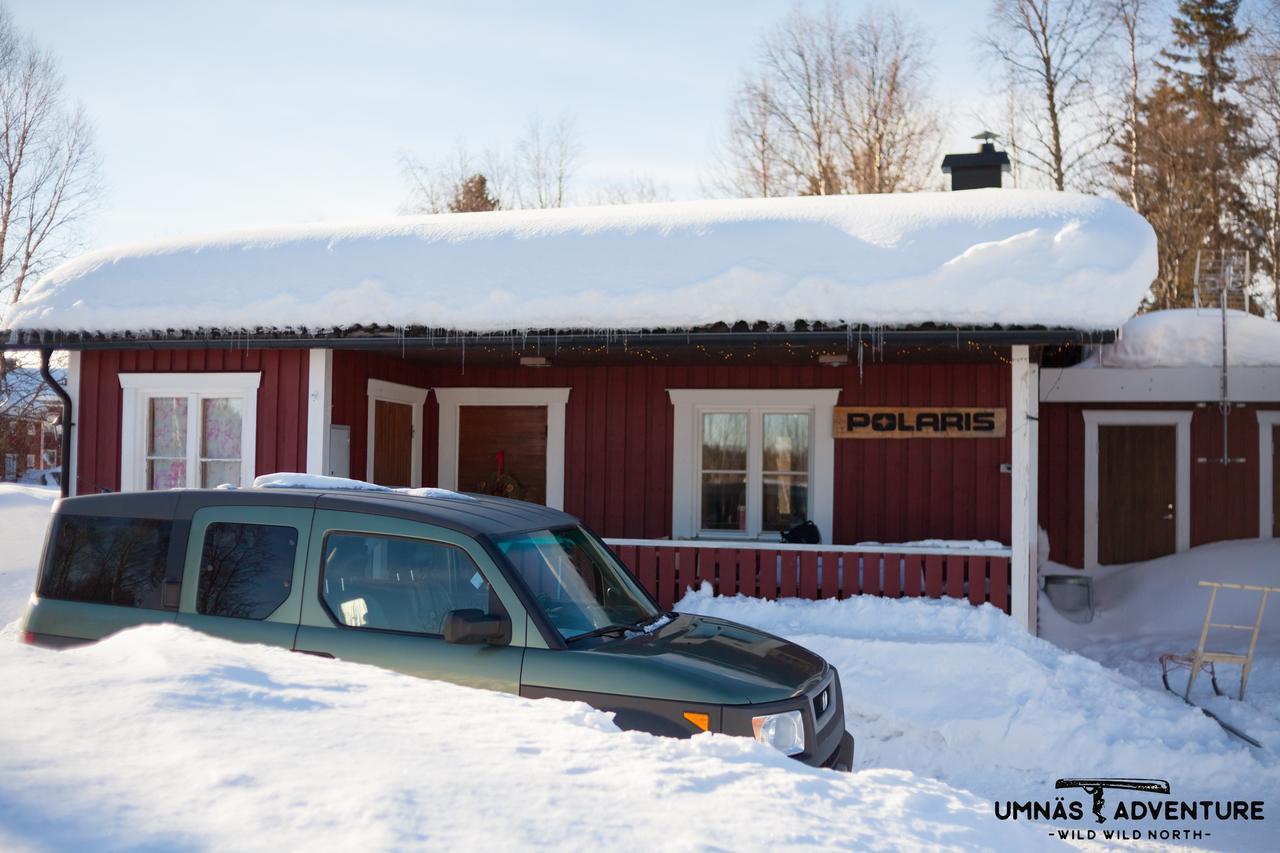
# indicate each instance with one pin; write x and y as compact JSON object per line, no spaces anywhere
{"x":475,"y":626}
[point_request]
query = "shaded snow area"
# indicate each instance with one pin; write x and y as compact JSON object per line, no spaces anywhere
{"x":1191,"y":337}
{"x":986,"y":257}
{"x":961,"y":694}
{"x":1146,"y":609}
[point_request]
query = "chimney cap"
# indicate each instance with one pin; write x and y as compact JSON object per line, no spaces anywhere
{"x":986,"y":136}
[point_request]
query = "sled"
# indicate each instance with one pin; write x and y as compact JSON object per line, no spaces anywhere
{"x":1204,"y":660}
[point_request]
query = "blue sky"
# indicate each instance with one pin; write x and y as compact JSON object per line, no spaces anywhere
{"x":223,"y":114}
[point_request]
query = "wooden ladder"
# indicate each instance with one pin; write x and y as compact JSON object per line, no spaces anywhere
{"x":1201,"y":657}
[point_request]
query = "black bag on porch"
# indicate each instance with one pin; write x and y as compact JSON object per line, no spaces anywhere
{"x":803,"y":533}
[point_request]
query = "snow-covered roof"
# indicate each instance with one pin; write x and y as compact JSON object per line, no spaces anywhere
{"x":1191,"y":337}
{"x":975,"y":258}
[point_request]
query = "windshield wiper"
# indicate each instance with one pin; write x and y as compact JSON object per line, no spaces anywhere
{"x":599,"y":632}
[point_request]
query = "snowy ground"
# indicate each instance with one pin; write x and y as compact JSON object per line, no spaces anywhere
{"x":160,"y":738}
{"x":1150,"y":608}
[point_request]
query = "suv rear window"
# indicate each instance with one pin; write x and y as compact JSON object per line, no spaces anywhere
{"x":104,"y":560}
{"x":245,"y":569}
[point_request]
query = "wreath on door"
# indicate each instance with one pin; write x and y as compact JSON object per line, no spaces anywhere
{"x":501,"y":483}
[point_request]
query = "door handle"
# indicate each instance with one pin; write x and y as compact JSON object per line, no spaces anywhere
{"x":1167,"y":517}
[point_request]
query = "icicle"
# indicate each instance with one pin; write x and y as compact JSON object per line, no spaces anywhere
{"x":860,"y":348}
{"x":464,"y":355}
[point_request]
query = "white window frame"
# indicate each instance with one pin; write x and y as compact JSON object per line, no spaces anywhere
{"x":451,"y":400}
{"x":1181,"y":421}
{"x":408,"y":395}
{"x":1268,"y":420}
{"x":691,"y":403}
{"x":138,"y":388}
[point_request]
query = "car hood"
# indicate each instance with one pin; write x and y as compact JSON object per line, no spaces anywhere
{"x":718,"y":656}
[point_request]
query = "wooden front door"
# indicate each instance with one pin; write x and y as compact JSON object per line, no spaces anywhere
{"x":1137,"y":492}
{"x":510,"y":438}
{"x":392,"y":444}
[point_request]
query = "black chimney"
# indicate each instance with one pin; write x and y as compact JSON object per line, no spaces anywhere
{"x":975,"y":171}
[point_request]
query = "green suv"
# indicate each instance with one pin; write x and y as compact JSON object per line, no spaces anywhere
{"x":476,"y":590}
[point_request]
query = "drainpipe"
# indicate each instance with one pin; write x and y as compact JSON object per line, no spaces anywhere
{"x":64,"y":481}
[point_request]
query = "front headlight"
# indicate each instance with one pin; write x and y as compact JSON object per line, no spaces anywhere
{"x":781,"y":731}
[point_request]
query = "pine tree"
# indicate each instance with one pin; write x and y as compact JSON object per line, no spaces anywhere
{"x":1193,"y":147}
{"x":473,"y":195}
{"x":1200,"y":68}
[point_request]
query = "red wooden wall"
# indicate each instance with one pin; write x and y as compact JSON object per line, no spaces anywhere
{"x":619,"y":433}
{"x":1224,"y":499}
{"x":282,"y":405}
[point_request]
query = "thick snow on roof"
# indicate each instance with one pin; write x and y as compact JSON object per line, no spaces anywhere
{"x":1191,"y":337}
{"x":982,"y":257}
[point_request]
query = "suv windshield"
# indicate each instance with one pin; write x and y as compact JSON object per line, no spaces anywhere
{"x":576,"y":581}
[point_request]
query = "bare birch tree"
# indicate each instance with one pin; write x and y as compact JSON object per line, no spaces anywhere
{"x":48,"y":167}
{"x":1052,"y":49}
{"x":546,"y":161}
{"x":833,"y":106}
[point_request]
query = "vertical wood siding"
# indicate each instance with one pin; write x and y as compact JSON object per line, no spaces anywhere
{"x":1224,"y":499}
{"x":282,"y":408}
{"x":618,"y":437}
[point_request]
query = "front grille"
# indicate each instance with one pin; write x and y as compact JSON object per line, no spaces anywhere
{"x":824,"y":702}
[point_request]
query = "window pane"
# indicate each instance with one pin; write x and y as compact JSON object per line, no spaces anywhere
{"x":397,"y":584}
{"x":786,"y":443}
{"x":107,"y":561}
{"x":220,"y":428}
{"x":786,"y":500}
{"x":216,"y":473}
{"x":166,"y":473}
{"x":167,"y":426}
{"x":245,"y":569}
{"x":724,"y":441}
{"x":724,"y":501}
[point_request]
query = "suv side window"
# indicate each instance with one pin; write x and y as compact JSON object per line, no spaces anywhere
{"x":391,"y":583}
{"x":246,"y":570}
{"x":105,"y":560}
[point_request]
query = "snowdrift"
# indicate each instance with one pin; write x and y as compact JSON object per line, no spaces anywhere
{"x":963,"y":694}
{"x":983,"y":257}
{"x":1191,"y":337}
{"x":160,"y":737}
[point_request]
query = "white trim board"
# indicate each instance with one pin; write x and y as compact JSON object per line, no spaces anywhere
{"x":1181,"y":420}
{"x":689,"y":402}
{"x":1024,"y":523}
{"x":319,"y":410}
{"x":393,"y":392}
{"x":137,"y":387}
{"x":452,"y":399}
{"x":1267,"y":423}
{"x":1157,"y":384}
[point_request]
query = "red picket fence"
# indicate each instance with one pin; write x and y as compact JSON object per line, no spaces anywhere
{"x":667,"y":568}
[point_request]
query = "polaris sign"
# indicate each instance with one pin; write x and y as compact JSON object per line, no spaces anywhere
{"x":894,"y":422}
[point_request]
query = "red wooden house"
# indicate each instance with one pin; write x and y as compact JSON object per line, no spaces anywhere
{"x":690,"y":379}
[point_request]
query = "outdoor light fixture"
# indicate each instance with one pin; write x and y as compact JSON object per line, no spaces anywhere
{"x":534,"y":361}
{"x":833,"y":360}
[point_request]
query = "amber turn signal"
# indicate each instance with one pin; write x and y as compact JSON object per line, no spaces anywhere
{"x":702,"y":721}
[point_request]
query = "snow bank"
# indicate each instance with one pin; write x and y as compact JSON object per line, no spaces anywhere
{"x":160,"y":738}
{"x":24,"y":515}
{"x":962,"y":694}
{"x":984,"y":257}
{"x":1191,"y":337}
{"x":291,"y":480}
